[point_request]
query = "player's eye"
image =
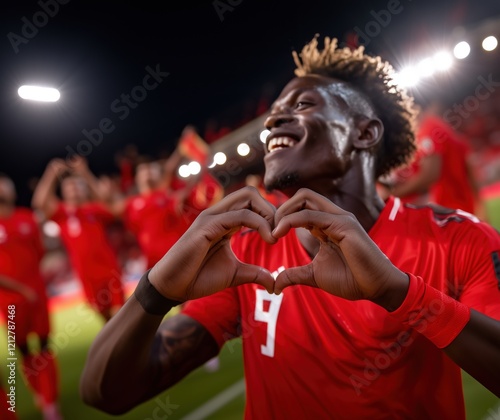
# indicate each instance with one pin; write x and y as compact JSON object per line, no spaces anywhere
{"x":302,"y":104}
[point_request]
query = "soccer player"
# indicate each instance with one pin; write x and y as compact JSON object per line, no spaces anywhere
{"x":161,"y":211}
{"x":440,"y":169}
{"x":82,"y":223}
{"x":23,"y":299}
{"x":348,"y":306}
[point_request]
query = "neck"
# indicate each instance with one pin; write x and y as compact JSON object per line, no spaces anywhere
{"x":355,"y":192}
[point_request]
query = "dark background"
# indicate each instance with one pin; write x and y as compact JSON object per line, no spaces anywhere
{"x":95,"y":51}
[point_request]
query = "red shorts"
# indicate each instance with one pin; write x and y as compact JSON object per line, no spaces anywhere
{"x":104,"y":294}
{"x":29,"y":317}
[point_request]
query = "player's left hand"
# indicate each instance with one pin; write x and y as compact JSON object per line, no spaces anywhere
{"x":348,"y":264}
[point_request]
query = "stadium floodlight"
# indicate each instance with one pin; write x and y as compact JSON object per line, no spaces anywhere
{"x":39,"y":93}
{"x":220,"y":158}
{"x":461,"y":50}
{"x":442,"y":61}
{"x":263,"y":135}
{"x":489,"y":43}
{"x":407,"y":77}
{"x":243,"y":149}
{"x":184,"y":171}
{"x":426,"y":67}
{"x":194,"y":168}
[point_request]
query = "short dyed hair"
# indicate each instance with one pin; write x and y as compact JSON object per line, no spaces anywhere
{"x":373,"y":78}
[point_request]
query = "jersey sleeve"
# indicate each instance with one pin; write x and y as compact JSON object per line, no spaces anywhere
{"x":480,"y":261}
{"x":218,"y":313}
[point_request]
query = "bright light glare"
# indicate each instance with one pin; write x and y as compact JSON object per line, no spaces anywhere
{"x":408,"y":77}
{"x":220,"y":158}
{"x":194,"y":168}
{"x":212,"y":165}
{"x":243,"y":149}
{"x":38,"y":93}
{"x":426,"y":67}
{"x":263,"y":135}
{"x":461,"y":50}
{"x":184,"y":171}
{"x":442,"y":61}
{"x":51,"y":229}
{"x":490,"y":43}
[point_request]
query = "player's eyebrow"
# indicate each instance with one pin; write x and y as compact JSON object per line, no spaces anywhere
{"x":295,"y":93}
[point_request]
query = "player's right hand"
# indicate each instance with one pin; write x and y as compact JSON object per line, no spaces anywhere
{"x":202,"y":262}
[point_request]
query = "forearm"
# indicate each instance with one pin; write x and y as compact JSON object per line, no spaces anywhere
{"x":477,"y":350}
{"x":45,"y":191}
{"x":135,"y":356}
{"x":119,"y":369}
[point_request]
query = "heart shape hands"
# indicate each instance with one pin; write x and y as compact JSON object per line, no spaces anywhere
{"x":348,"y":263}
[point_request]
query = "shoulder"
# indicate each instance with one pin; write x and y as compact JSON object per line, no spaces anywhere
{"x":454,"y":225}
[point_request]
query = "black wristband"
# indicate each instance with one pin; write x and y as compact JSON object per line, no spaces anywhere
{"x":152,"y":301}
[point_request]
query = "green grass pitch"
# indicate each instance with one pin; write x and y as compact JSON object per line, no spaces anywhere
{"x":74,"y":329}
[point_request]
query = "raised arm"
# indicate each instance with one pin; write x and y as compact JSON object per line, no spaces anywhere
{"x":44,"y":197}
{"x":132,"y":359}
{"x":135,"y":357}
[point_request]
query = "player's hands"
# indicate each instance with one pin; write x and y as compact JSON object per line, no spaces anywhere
{"x":202,"y":261}
{"x":79,"y":165}
{"x":348,"y":263}
{"x":58,"y":167}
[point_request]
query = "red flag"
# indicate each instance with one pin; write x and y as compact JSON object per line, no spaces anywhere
{"x":192,"y":146}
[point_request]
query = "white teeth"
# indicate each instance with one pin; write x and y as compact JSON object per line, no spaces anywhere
{"x":280,"y":143}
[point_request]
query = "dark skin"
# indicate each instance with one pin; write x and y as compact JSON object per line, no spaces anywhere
{"x":329,"y":175}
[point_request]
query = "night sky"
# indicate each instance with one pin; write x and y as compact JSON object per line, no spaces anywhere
{"x":220,"y":57}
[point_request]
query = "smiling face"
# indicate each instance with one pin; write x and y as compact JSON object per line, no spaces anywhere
{"x":313,"y":133}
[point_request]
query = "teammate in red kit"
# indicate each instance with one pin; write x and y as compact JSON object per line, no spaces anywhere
{"x":160,"y":214}
{"x":440,"y":169}
{"x":23,"y":290}
{"x":82,"y":223}
{"x":387,"y":303}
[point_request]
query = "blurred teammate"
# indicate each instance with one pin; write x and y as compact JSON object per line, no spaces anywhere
{"x":82,"y":224}
{"x":23,"y":291}
{"x":387,"y":299}
{"x":440,"y":172}
{"x":162,"y":211}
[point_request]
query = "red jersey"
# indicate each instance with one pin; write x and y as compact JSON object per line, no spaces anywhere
{"x":155,"y":221}
{"x":21,"y":248}
{"x":452,"y":189}
{"x":309,"y":354}
{"x":84,"y":236}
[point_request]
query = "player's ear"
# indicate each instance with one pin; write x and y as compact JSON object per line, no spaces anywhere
{"x":370,"y":132}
